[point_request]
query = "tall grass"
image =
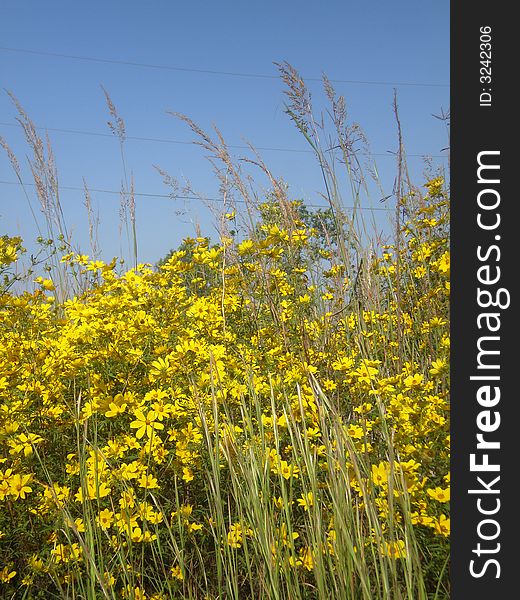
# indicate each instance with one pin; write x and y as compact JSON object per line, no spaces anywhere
{"x":312,"y":526}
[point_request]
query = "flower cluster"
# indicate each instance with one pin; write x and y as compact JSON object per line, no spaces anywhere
{"x":119,"y":407}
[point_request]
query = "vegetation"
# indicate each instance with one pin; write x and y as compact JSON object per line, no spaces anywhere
{"x":262,"y":417}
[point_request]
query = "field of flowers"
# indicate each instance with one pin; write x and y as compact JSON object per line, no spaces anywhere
{"x":245,"y":421}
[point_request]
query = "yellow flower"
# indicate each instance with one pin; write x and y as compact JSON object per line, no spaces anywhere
{"x":413,"y":381}
{"x":287,"y":471}
{"x":176,"y":572}
{"x":278,"y":502}
{"x":439,"y":494}
{"x":284,"y":537}
{"x":438,"y":366}
{"x":148,"y":482}
{"x":67,"y":552}
{"x":192,"y":527}
{"x":355,"y":431}
{"x":307,"y":559}
{"x":109,"y":579}
{"x":105,"y":519}
{"x":234,"y":537}
{"x":443,"y":264}
{"x":94,"y":491}
{"x":5,"y":478}
{"x":245,"y":247}
{"x":35,"y":563}
{"x":343,"y":364}
{"x":395,"y":549}
{"x":137,"y":593}
{"x":145,"y":424}
{"x":160,"y":369}
{"x":127,"y":499}
{"x":18,"y":487}
{"x":115,"y":409}
{"x":24,"y":443}
{"x":187,"y":474}
{"x":80,"y":525}
{"x":442,"y":526}
{"x":434,"y":186}
{"x":138,"y":535}
{"x":306,"y":501}
{"x":380,"y":474}
{"x":45,"y":283}
{"x":6,"y":575}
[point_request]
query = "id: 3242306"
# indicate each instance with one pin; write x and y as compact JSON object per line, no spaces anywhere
{"x":485,"y":65}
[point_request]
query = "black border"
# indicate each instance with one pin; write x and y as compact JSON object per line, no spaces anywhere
{"x":476,"y":128}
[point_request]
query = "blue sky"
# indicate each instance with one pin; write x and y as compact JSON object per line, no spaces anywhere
{"x":402,"y":42}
